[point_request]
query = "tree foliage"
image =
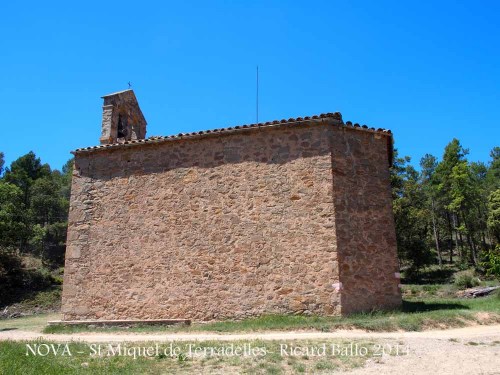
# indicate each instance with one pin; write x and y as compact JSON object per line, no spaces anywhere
{"x":410,"y":213}
{"x":33,"y":221}
{"x":494,"y":214}
{"x":34,"y":202}
{"x":2,"y":162}
{"x":12,"y":215}
{"x":449,"y":207}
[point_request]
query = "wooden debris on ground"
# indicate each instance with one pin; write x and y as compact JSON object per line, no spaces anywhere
{"x":477,"y":292}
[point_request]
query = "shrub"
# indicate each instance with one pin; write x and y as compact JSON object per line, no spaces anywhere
{"x":16,"y":281}
{"x":466,"y":279}
{"x":491,"y":262}
{"x":10,"y":272}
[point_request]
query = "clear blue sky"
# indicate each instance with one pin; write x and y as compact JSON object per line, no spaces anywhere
{"x":428,"y":70}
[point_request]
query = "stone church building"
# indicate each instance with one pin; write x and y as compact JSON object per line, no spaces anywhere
{"x":290,"y":216}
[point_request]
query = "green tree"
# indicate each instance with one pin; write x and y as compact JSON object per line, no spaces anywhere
{"x":46,"y":203}
{"x":49,"y":211}
{"x":479,"y":210}
{"x":410,"y":215}
{"x":493,"y":173}
{"x":494,"y":215}
{"x":24,"y":171}
{"x":67,"y":175}
{"x":454,"y":153}
{"x":2,"y":162}
{"x":491,"y":262}
{"x":464,"y":198}
{"x":33,"y":219}
{"x":12,"y":211}
{"x":429,"y":164}
{"x":44,"y":196}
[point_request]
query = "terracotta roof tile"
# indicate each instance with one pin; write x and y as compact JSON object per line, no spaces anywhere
{"x":153,"y":139}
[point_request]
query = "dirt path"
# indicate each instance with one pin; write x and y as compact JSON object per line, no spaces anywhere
{"x":470,"y":350}
{"x":468,"y":355}
{"x":474,"y":332}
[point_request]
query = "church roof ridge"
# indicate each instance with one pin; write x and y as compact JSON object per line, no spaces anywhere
{"x":335,"y":116}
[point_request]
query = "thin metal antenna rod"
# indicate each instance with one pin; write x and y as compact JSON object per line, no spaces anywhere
{"x":257,"y":99}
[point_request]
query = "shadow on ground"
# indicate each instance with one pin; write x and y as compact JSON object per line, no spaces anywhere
{"x":417,"y":306}
{"x":430,"y":276}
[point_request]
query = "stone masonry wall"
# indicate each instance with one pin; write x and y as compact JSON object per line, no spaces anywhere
{"x":231,"y":226}
{"x":366,"y":236}
{"x":205,"y":229}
